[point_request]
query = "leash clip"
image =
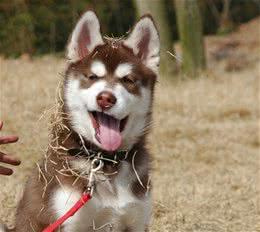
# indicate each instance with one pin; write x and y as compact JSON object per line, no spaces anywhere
{"x":96,"y":165}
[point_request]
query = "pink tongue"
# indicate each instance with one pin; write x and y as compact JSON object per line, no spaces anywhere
{"x":109,"y":132}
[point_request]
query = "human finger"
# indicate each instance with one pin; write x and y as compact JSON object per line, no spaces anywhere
{"x":8,"y":139}
{"x":4,"y":158}
{"x":5,"y":171}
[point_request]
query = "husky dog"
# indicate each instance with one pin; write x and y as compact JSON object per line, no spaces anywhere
{"x":107,"y":95}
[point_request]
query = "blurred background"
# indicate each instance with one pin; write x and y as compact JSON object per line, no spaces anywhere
{"x":39,"y":27}
{"x":35,"y":27}
{"x":205,"y":138}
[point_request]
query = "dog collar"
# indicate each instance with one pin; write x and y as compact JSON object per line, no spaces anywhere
{"x":113,"y":157}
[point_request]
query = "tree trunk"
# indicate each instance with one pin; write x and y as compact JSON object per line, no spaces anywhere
{"x":222,"y":18}
{"x":190,"y":34}
{"x":24,"y":32}
{"x":157,"y":9}
{"x":225,"y":21}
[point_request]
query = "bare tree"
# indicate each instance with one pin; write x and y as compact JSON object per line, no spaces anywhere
{"x":157,"y":9}
{"x":190,"y":33}
{"x":222,"y":17}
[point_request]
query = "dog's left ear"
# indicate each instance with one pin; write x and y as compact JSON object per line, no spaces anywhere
{"x":85,"y":37}
{"x":145,"y":42}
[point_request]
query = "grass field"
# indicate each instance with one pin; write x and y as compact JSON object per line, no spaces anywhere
{"x":205,"y":143}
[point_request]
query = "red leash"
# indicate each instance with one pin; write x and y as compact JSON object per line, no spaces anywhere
{"x":83,"y":200}
{"x":96,"y":165}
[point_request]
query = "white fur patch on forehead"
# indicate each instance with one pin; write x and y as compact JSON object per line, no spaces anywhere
{"x":98,"y":68}
{"x":123,"y":70}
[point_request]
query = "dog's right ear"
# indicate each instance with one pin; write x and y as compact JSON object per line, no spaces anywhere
{"x":85,"y":37}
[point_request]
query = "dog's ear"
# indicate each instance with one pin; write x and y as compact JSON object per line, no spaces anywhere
{"x":85,"y":37}
{"x":145,"y":42}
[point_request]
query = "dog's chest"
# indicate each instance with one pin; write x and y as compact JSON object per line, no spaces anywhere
{"x":113,"y":208}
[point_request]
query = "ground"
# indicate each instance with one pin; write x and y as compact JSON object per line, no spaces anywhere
{"x":205,"y":141}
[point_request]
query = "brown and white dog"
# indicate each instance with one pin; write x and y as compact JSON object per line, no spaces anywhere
{"x":108,"y":94}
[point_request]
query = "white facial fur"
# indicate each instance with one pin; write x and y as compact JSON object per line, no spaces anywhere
{"x":136,"y":108}
{"x":80,"y":101}
{"x":85,"y":37}
{"x":123,"y":70}
{"x":98,"y":68}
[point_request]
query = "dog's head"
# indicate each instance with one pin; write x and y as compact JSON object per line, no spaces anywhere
{"x":109,"y":83}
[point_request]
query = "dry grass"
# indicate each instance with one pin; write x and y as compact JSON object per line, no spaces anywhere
{"x":206,"y":149}
{"x":205,"y":144}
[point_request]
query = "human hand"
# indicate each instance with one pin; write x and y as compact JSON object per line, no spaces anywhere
{"x":4,"y":158}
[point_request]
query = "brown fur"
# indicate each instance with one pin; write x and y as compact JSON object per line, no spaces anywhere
{"x":34,"y":213}
{"x":112,"y":54}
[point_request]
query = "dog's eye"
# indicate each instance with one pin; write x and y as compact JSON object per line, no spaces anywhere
{"x":91,"y":77}
{"x":128,"y":80}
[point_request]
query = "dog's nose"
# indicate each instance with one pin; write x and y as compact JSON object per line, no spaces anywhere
{"x":106,"y":100}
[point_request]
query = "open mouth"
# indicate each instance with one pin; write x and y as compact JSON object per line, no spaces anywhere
{"x":108,"y":130}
